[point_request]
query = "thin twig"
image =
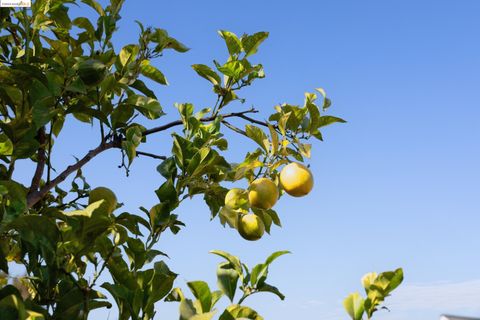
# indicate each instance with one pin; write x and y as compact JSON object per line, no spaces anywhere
{"x":206,"y":119}
{"x":151,"y":155}
{"x":232,"y":127}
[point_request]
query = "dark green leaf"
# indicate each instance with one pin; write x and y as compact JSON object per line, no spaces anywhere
{"x":202,"y":292}
{"x":227,"y":278}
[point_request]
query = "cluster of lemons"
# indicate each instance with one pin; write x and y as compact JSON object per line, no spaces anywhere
{"x":295,"y":179}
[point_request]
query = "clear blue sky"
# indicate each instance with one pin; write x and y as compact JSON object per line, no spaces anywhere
{"x":397,"y":186}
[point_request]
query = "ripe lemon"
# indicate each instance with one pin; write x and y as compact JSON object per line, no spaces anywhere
{"x":101,"y":193}
{"x":250,"y":227}
{"x":263,"y":193}
{"x":235,"y":198}
{"x":296,"y":179}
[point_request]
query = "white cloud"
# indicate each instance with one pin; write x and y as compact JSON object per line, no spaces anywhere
{"x":437,"y":296}
{"x":425,"y":301}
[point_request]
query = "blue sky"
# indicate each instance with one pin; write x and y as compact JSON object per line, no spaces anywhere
{"x":397,"y":186}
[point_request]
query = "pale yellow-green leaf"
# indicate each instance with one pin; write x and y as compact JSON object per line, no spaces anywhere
{"x":274,"y":135}
{"x":87,"y":212}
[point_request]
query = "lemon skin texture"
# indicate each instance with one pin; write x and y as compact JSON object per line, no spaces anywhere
{"x":296,"y":179}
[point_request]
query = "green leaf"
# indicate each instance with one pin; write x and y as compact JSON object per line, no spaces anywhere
{"x":25,"y":148}
{"x":227,"y":278}
{"x":45,"y":234}
{"x":368,"y":280}
{"x":203,"y":316}
{"x":354,"y":305}
{"x":149,"y":107}
{"x":167,"y":192}
{"x":6,"y":146}
{"x":264,"y":287}
{"x":84,"y":23}
{"x":95,"y":5}
{"x":327,"y":120}
{"x":275,"y":218}
{"x":187,"y":309}
{"x":233,"y":43}
{"x":216,"y":295}
{"x":168,"y":168}
{"x":274,"y":135}
{"x":128,"y":54}
{"x":257,"y":135}
{"x":153,"y":73}
{"x":234,"y":69}
{"x":130,"y":149}
{"x":161,"y":283}
{"x":230,"y":258}
{"x":142,"y":87}
{"x":87,"y":212}
{"x":260,"y":271}
{"x":202,"y":292}
{"x":239,"y":312}
{"x":206,"y":72}
{"x":14,"y":200}
{"x":251,"y":43}
{"x":176,"y":45}
{"x":275,"y":255}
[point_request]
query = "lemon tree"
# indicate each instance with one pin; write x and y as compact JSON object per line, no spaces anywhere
{"x":55,"y":69}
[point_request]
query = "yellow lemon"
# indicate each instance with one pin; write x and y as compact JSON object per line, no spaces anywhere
{"x":250,"y":227}
{"x":263,"y":193}
{"x":296,"y":179}
{"x":101,"y":193}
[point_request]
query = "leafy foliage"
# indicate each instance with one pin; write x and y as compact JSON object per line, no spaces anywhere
{"x":228,"y":274}
{"x":55,"y":67}
{"x":377,"y":288}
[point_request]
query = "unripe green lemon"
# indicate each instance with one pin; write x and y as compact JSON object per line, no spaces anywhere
{"x":91,"y":71}
{"x":263,"y":193}
{"x":250,"y":227}
{"x":296,"y":179}
{"x":233,"y":198}
{"x":101,"y":193}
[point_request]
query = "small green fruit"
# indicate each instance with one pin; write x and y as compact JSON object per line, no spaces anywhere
{"x":91,"y":71}
{"x":101,"y":193}
{"x":235,"y":198}
{"x":250,"y":227}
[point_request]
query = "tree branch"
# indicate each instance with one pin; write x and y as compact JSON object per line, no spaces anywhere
{"x":36,"y":195}
{"x":233,"y":128}
{"x":41,"y":159}
{"x":151,"y":155}
{"x":206,"y":119}
{"x":262,"y":123}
